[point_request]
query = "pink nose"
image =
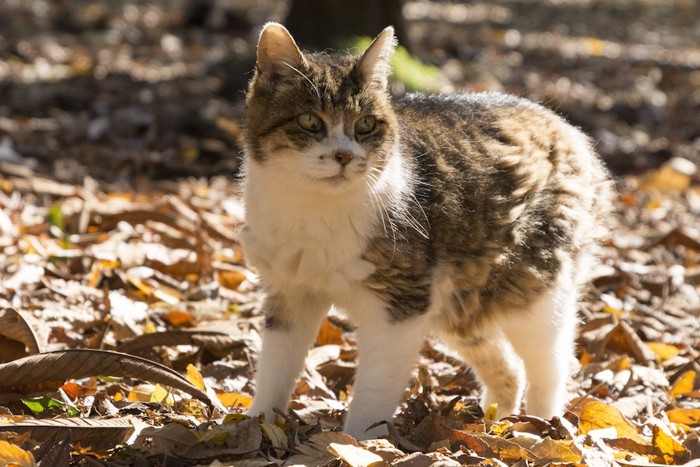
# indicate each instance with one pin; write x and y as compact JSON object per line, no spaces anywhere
{"x":343,"y":158}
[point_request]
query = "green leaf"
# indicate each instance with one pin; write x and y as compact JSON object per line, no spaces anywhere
{"x":40,"y":404}
{"x":56,"y":216}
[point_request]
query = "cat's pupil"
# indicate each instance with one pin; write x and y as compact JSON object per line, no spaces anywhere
{"x":310,"y":122}
{"x":365,"y":125}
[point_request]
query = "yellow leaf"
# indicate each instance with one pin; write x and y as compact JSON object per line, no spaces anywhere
{"x":672,"y":452}
{"x":549,"y":450}
{"x":664,"y":351}
{"x":596,"y":416}
{"x":15,"y":456}
{"x":234,"y":399}
{"x":355,"y":456}
{"x":195,"y":377}
{"x":160,"y":395}
{"x":685,"y":416}
{"x":684,"y":384}
{"x":140,"y":393}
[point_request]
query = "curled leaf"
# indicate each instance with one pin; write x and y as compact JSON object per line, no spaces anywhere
{"x":80,"y":363}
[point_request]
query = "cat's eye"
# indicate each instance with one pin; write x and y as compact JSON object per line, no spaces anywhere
{"x":365,"y":125}
{"x":310,"y":122}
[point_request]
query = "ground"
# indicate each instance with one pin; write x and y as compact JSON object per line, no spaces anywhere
{"x":129,"y":319}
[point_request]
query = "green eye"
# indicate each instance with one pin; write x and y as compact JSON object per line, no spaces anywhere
{"x":365,"y":125}
{"x":310,"y":122}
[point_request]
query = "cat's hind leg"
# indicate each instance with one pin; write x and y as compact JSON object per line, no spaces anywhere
{"x":496,"y":365}
{"x":543,"y":336}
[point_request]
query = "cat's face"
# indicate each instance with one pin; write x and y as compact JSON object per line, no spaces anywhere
{"x":325,"y":122}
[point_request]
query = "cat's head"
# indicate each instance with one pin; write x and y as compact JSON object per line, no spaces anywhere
{"x":325,"y":121}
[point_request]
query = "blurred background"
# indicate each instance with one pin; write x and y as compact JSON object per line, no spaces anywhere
{"x":129,"y":92}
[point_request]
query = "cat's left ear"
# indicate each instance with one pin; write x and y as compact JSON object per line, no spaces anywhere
{"x":374,"y":64}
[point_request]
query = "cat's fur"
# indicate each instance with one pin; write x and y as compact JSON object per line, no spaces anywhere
{"x":470,"y":216}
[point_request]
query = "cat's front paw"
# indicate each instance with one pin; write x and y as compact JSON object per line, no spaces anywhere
{"x":256,"y":411}
{"x":360,"y":429}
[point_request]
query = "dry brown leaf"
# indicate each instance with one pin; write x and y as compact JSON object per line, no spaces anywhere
{"x":624,"y":340}
{"x":171,"y":439}
{"x":180,"y":318}
{"x":628,"y":445}
{"x":80,"y":363}
{"x":93,"y":432}
{"x":472,"y":442}
{"x":314,"y":453}
{"x":14,"y":326}
{"x":597,"y":415}
{"x":211,"y":339}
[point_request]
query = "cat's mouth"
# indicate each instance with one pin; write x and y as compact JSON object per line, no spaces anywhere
{"x":336,"y":179}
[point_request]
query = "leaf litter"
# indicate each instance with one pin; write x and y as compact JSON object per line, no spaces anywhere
{"x":129,"y":320}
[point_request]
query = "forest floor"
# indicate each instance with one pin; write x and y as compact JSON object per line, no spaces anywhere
{"x":129,"y":320}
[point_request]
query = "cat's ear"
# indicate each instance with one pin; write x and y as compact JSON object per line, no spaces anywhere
{"x":277,"y":52}
{"x":374,"y":64}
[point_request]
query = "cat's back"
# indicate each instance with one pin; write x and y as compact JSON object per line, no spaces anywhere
{"x":498,"y":141}
{"x":502,"y":177}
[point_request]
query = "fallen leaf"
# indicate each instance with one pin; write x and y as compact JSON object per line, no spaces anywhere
{"x":549,"y":450}
{"x":355,"y":456}
{"x":684,"y":384}
{"x":234,"y":399}
{"x":180,"y":318}
{"x":686,"y":416}
{"x":195,"y":377}
{"x":12,"y":455}
{"x":672,"y":451}
{"x":329,"y":334}
{"x":597,"y":415}
{"x":96,"y":432}
{"x":14,"y":326}
{"x":79,"y":363}
{"x":664,"y":351}
{"x":314,"y":452}
{"x":276,"y":436}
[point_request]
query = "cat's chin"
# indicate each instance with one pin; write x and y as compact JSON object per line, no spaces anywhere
{"x":338,"y":182}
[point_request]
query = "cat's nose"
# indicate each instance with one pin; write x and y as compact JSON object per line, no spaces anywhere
{"x":343,"y":158}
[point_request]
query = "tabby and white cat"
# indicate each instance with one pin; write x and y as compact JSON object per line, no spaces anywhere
{"x":471,"y":217}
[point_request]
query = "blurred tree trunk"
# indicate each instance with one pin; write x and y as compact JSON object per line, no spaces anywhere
{"x":321,"y":24}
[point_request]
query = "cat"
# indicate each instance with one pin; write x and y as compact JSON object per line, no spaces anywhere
{"x":471,"y":217}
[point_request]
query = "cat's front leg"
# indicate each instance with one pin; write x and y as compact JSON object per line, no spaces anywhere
{"x":387,"y":352}
{"x":291,"y":324}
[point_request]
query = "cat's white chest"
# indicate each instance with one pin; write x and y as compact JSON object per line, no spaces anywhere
{"x":308,"y":244}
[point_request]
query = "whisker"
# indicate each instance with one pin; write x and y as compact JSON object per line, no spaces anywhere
{"x":318,"y":94}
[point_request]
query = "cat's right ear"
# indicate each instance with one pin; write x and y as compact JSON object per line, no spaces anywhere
{"x":278,"y":54}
